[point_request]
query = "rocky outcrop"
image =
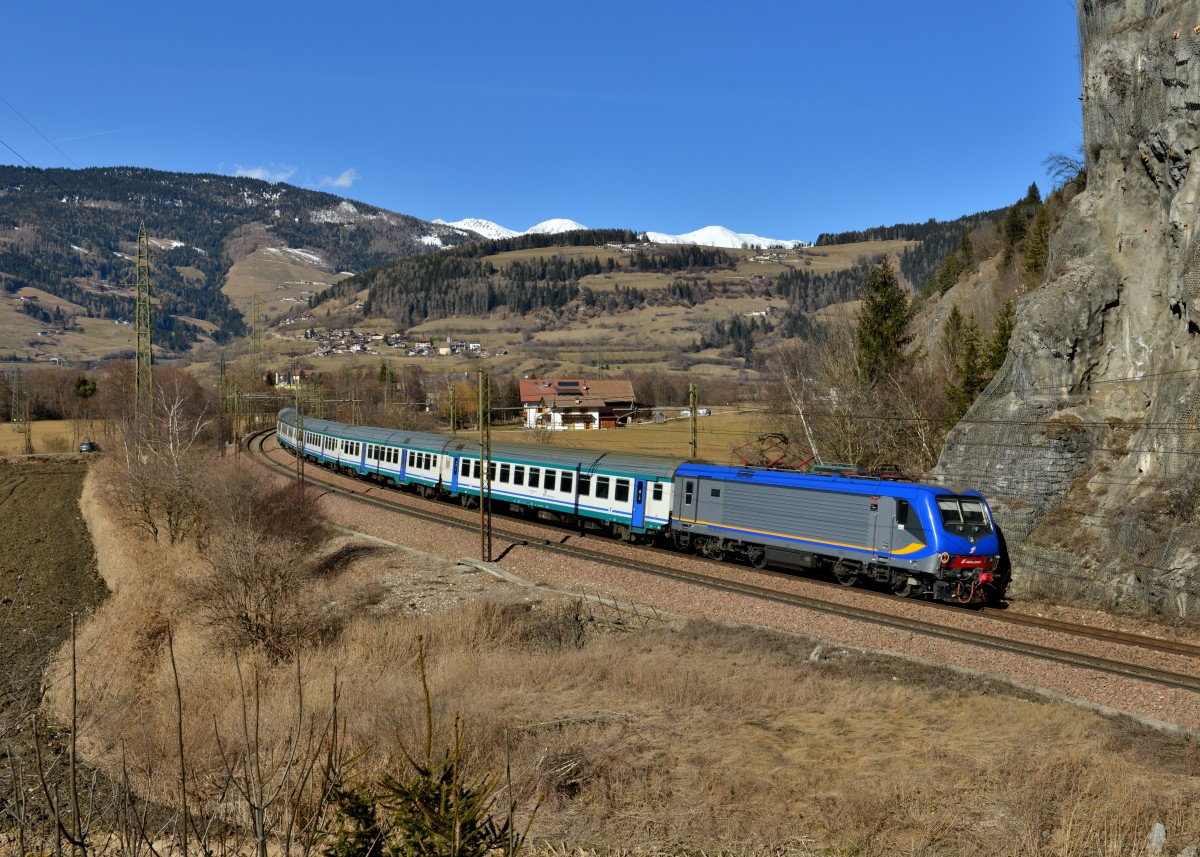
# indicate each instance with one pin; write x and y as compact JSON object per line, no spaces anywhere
{"x":1086,"y":441}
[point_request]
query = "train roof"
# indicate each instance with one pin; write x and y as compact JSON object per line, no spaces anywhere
{"x":539,"y":455}
{"x":822,"y":482}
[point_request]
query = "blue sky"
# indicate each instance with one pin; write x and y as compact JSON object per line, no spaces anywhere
{"x":783,"y":119}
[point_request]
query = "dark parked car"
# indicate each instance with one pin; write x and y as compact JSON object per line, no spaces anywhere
{"x":89,"y":446}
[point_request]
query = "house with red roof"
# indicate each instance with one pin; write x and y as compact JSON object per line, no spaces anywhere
{"x":575,"y":403}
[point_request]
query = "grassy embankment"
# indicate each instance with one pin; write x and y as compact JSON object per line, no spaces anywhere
{"x":658,"y":736}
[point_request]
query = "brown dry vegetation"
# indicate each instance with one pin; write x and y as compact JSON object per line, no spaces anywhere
{"x":668,"y":738}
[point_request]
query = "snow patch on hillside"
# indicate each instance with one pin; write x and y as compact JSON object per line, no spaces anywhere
{"x":294,"y":256}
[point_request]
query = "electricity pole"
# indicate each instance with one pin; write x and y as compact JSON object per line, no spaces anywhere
{"x":485,"y":465}
{"x":693,"y":418}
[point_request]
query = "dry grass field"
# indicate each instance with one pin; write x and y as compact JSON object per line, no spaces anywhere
{"x":50,"y":436}
{"x":657,"y":736}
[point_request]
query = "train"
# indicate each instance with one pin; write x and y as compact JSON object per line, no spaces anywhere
{"x":918,"y":540}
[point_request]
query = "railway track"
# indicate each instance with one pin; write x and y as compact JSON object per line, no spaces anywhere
{"x":880,"y":617}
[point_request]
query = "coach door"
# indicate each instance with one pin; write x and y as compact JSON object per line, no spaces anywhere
{"x":883,"y":513}
{"x":687,"y":502}
{"x":639,"y":503}
{"x":454,"y":474}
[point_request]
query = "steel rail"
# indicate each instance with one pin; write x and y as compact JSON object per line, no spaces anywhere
{"x":931,"y":629}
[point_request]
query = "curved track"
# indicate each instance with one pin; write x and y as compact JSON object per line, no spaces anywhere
{"x":882,"y":617}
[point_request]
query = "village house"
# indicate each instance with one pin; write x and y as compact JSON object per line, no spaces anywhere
{"x":573,"y":403}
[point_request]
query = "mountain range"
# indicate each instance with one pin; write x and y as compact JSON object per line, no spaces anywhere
{"x":709,"y":236}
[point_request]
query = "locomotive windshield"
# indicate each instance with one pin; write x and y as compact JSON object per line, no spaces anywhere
{"x":964,"y":516}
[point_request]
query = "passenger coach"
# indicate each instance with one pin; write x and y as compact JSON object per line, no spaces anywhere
{"x":627,"y":493}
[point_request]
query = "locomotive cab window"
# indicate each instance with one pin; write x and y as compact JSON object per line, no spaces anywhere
{"x":964,"y":516}
{"x":688,"y":488}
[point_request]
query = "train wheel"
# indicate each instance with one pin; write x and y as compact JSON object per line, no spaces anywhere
{"x":713,"y":549}
{"x":467,"y":501}
{"x":901,"y":584}
{"x":846,"y":575}
{"x":757,"y":556}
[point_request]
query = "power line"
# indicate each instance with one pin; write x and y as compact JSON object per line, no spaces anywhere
{"x":40,"y":134}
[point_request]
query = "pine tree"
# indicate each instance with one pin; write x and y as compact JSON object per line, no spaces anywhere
{"x":1001,"y":334}
{"x":952,"y":335}
{"x":1014,"y":233}
{"x":882,"y":324}
{"x":1037,"y":248}
{"x":968,"y":369}
{"x":966,"y":251}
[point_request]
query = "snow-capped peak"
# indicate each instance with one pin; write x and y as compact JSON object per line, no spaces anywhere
{"x":481,"y":227}
{"x":719,"y":236}
{"x":709,"y":236}
{"x":494,"y":230}
{"x":553,"y":227}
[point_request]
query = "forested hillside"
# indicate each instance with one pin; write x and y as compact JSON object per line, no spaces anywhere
{"x":73,"y":233}
{"x":477,"y":279}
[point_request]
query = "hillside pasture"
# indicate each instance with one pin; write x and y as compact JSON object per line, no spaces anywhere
{"x":837,"y":257}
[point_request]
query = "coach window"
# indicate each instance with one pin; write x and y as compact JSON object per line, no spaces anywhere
{"x":519,"y":474}
{"x":534,"y":477}
{"x":475,"y":469}
{"x":564,"y":481}
{"x":602,"y":483}
{"x":585,"y":484}
{"x":621,"y":494}
{"x":505,"y":473}
{"x":464,"y":467}
{"x":657,"y":493}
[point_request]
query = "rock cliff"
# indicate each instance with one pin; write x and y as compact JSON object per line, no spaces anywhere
{"x":1088,"y":440}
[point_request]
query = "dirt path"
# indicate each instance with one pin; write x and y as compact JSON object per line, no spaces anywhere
{"x":47,"y":572}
